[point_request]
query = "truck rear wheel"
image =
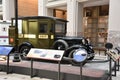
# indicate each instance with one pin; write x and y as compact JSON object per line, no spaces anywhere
{"x":24,"y":51}
{"x":60,"y":45}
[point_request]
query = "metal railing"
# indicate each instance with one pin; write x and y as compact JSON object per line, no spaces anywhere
{"x":52,"y":0}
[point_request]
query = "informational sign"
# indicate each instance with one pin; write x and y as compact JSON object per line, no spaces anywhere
{"x":5,"y":50}
{"x":113,"y":54}
{"x":46,"y":54}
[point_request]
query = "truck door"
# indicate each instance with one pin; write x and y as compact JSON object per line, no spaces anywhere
{"x":44,"y":33}
{"x":32,"y":33}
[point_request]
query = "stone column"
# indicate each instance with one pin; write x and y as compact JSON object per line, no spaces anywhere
{"x":74,"y":16}
{"x":42,"y":10}
{"x":49,"y":12}
{"x":79,"y":22}
{"x":8,"y":9}
{"x":71,"y":17}
{"x":114,"y":23}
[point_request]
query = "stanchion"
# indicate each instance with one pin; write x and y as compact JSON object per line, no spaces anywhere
{"x":31,"y":69}
{"x":80,"y":71}
{"x":8,"y":64}
{"x":109,"y":46}
{"x":58,"y":70}
{"x":118,"y":64}
{"x":110,"y":68}
{"x":115,"y":70}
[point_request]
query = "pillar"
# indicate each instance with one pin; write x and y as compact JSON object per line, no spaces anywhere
{"x":41,"y":7}
{"x":74,"y":17}
{"x":80,"y":28}
{"x":8,"y":9}
{"x":114,"y":23}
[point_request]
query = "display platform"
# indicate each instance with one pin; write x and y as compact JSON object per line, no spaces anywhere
{"x":50,"y":70}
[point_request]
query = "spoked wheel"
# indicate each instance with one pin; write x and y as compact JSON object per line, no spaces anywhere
{"x":72,"y":61}
{"x":24,"y":51}
{"x":60,"y":45}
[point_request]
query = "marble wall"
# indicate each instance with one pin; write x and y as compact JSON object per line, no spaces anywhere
{"x":114,"y":38}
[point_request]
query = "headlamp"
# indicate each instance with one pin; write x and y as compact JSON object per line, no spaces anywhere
{"x":83,"y":41}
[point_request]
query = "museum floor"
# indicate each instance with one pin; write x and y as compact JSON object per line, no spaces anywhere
{"x":14,"y":76}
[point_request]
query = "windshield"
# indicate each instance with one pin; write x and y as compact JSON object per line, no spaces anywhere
{"x":19,"y":25}
{"x":60,"y":27}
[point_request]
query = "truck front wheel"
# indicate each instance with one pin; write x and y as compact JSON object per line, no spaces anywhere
{"x":60,"y":45}
{"x":24,"y":51}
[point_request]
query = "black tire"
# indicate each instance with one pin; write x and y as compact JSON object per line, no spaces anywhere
{"x":91,"y":58}
{"x":24,"y":51}
{"x":68,"y":50}
{"x":60,"y":45}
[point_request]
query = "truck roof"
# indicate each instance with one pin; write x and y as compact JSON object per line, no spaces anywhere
{"x":42,"y":17}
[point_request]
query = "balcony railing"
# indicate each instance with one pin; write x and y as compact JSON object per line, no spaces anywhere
{"x":50,"y":0}
{"x":53,"y":0}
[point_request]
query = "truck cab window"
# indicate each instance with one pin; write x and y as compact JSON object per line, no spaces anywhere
{"x":52,"y":28}
{"x":43,"y":27}
{"x":59,"y":28}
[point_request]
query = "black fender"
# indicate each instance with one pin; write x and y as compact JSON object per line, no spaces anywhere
{"x":25,"y":44}
{"x":68,"y":50}
{"x":60,"y":41}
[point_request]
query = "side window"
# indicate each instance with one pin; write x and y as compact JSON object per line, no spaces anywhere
{"x":43,"y":27}
{"x":52,"y":28}
{"x":59,"y":28}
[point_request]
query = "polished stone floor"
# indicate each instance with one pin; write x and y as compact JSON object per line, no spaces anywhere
{"x":117,"y":77}
{"x":4,"y":76}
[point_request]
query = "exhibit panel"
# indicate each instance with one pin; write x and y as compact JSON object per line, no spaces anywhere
{"x":45,"y":54}
{"x":5,"y":51}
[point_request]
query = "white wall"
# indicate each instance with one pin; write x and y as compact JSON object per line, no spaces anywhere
{"x":42,"y":10}
{"x":4,"y":40}
{"x":71,"y":17}
{"x":49,"y":12}
{"x":114,"y":23}
{"x":55,"y":4}
{"x":114,"y":15}
{"x":8,"y":9}
{"x":75,"y":18}
{"x":80,"y":20}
